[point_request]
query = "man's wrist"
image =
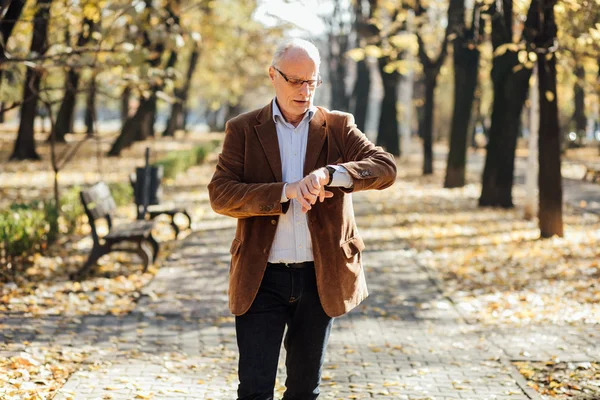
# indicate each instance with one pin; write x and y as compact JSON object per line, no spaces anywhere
{"x":331,"y":171}
{"x":284,"y":197}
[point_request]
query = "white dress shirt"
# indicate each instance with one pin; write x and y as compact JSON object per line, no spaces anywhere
{"x":292,"y":243}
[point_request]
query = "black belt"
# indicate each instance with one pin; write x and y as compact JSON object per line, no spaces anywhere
{"x":302,"y":265}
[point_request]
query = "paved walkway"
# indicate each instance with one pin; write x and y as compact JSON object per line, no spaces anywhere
{"x":407,"y":341}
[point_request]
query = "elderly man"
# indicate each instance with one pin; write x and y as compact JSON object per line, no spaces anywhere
{"x":286,"y":173}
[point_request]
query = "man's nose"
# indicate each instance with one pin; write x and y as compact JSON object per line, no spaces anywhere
{"x":305,"y":89}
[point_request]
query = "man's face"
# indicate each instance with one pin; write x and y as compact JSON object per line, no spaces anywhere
{"x":294,"y":100}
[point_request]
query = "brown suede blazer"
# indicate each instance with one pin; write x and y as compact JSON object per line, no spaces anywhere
{"x":247,"y":185}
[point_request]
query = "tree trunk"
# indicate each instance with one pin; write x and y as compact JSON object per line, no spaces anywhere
{"x":185,"y":119}
{"x":366,"y":32}
{"x":550,"y":179}
{"x":510,"y":92}
{"x":431,"y":70}
{"x":427,"y":134}
{"x":7,"y":23}
{"x":233,"y":111}
{"x":24,"y":148}
{"x":148,"y":118}
{"x":90,"y":106}
{"x":387,"y":135}
{"x":360,"y":94}
{"x":177,"y":118}
{"x":132,"y":128}
{"x":338,"y":45}
{"x":579,"y":115}
{"x":466,"y":68}
{"x":212,"y":119}
{"x":66,"y":113}
{"x":125,"y":96}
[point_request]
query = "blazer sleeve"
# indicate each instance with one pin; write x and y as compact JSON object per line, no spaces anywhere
{"x":229,"y":195}
{"x":369,"y":166}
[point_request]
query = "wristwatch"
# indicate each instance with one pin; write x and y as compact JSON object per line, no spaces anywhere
{"x":331,"y":171}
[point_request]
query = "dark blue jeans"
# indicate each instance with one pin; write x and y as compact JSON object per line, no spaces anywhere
{"x":286,"y":297}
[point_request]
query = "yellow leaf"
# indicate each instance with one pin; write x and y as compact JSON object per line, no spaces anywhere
{"x":389,"y":68}
{"x":356,"y":54}
{"x":373,"y":51}
{"x":502,"y":49}
{"x":144,"y":396}
{"x":532,"y":56}
{"x":549,"y":96}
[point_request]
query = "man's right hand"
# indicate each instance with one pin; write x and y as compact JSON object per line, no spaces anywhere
{"x":309,"y":189}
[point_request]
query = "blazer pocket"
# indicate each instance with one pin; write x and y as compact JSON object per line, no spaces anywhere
{"x":353,"y":246}
{"x":235,"y":246}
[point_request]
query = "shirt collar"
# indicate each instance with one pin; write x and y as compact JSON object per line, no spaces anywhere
{"x":278,"y":115}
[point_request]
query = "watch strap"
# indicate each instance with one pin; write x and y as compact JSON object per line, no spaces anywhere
{"x":331,"y":171}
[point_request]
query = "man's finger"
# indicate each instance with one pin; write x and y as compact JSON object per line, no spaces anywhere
{"x":313,"y":186}
{"x":305,"y":204}
{"x":309,"y":196}
{"x":302,"y":200}
{"x":315,"y":182}
{"x":325,"y":194}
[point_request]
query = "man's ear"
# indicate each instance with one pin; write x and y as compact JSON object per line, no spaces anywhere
{"x":272,"y":74}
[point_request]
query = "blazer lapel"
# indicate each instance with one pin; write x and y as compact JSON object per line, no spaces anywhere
{"x":316,"y":138}
{"x":267,"y":135}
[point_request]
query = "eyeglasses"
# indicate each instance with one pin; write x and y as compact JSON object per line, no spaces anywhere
{"x":295,"y":82}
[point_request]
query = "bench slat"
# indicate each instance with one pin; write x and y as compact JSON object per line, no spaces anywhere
{"x":98,"y":200}
{"x":135,"y":229}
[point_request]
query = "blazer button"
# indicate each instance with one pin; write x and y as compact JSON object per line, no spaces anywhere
{"x":273,"y":222}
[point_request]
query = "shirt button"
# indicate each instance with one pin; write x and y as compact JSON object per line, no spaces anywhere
{"x":273,"y":222}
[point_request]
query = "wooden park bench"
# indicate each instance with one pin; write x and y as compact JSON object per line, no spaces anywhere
{"x":98,"y":203}
{"x":153,"y":209}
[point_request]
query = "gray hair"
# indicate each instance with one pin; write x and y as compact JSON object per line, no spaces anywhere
{"x":295,"y":43}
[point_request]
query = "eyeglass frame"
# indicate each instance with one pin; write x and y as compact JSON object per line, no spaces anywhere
{"x":296,"y":81}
